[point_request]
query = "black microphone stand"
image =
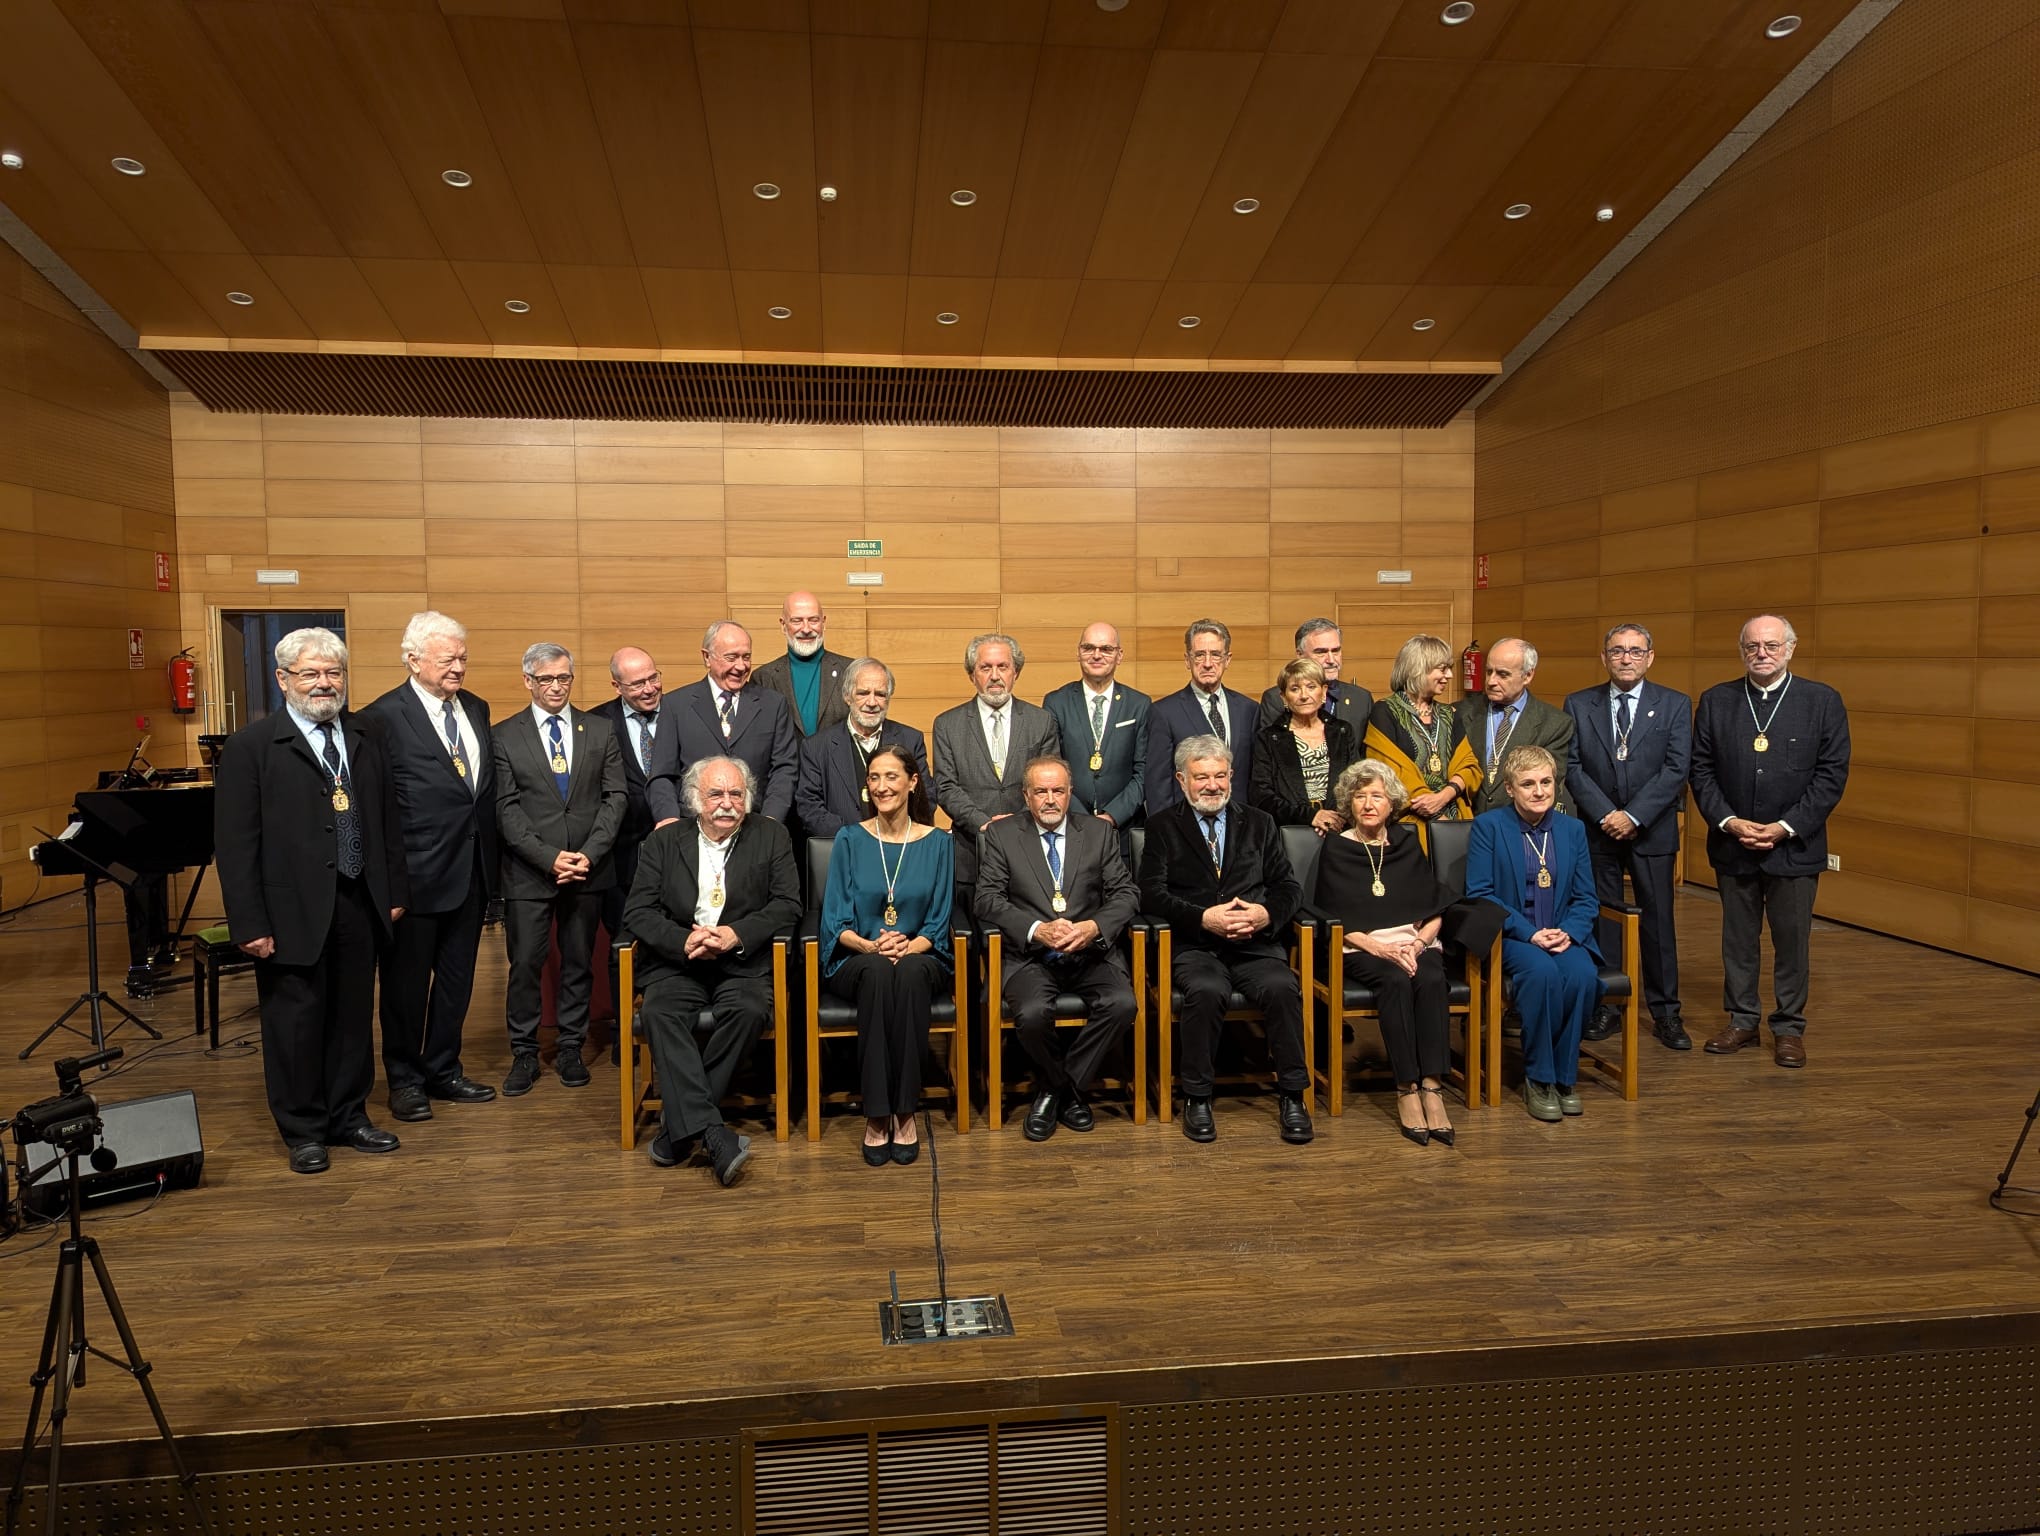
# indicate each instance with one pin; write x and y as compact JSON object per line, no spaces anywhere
{"x":1997,"y":1196}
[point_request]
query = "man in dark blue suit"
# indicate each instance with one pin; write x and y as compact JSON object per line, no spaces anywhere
{"x":634,"y":714}
{"x":1626,"y":778}
{"x":1204,"y":707}
{"x":1104,"y":728}
{"x":830,"y":794}
{"x":1319,"y":640}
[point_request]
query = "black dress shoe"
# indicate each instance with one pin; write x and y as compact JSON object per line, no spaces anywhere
{"x":461,"y":1090}
{"x":309,"y":1157}
{"x":1672,"y":1035}
{"x":1041,"y":1117}
{"x":523,"y":1073}
{"x":1197,"y":1122}
{"x":1605,"y":1023}
{"x":878,"y":1156}
{"x":366,"y":1138}
{"x":1076,"y":1114}
{"x":1295,"y":1119}
{"x":728,"y":1151}
{"x":411,"y":1104}
{"x":572,"y":1069}
{"x":663,"y":1153}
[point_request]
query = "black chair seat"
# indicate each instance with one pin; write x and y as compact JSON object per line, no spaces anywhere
{"x":839,"y":1013}
{"x":702,"y":1025}
{"x":1234,"y":1002}
{"x":1361,"y":996}
{"x":1614,"y":983}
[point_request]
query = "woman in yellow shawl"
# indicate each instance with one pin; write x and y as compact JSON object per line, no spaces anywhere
{"x":1418,"y":734}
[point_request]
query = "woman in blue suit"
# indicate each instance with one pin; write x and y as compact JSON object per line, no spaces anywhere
{"x":1532,"y":861}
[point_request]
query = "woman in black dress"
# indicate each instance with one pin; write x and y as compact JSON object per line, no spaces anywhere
{"x":1376,"y":879}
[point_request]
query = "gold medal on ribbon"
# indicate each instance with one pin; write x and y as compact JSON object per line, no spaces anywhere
{"x":460,"y":767}
{"x":715,"y":897}
{"x":1763,"y":742}
{"x":892,"y":914}
{"x":1544,"y":878}
{"x":1097,"y":761}
{"x":1057,"y":904}
{"x":340,"y":800}
{"x":1622,"y":753}
{"x":1379,"y":889}
{"x":1436,"y":765}
{"x":559,"y":762}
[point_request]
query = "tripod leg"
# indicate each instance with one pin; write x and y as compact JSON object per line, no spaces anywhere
{"x":107,"y":1000}
{"x":137,"y":1366}
{"x":2032,"y":1113}
{"x":56,"y":1326}
{"x":29,"y":1050}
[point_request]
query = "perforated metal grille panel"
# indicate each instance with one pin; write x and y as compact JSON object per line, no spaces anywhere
{"x":1907,"y":1443}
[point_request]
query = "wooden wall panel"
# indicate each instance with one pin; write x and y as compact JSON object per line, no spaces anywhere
{"x":1817,"y":393}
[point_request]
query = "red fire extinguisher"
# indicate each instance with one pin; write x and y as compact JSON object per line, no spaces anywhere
{"x":1471,"y":671}
{"x":183,"y":683}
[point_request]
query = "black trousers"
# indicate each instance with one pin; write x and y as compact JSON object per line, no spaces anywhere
{"x":528,"y":926}
{"x":1207,"y":981}
{"x":1650,"y":874}
{"x":428,"y":977}
{"x":695,"y":1066}
{"x":318,"y":1035}
{"x":1099,"y":978}
{"x":1746,"y":900}
{"x":894,"y":1002}
{"x":1416,"y":1014}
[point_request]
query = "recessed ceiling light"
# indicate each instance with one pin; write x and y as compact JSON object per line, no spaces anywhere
{"x":517,"y":306}
{"x":1456,"y":12}
{"x":11,"y":160}
{"x":1246,"y":205}
{"x":780,"y":312}
{"x":129,"y":167}
{"x":947,"y":317}
{"x":1516,"y":211}
{"x":238,"y":297}
{"x":457,"y":178}
{"x":827,"y":194}
{"x":1189,"y":322}
{"x":1784,"y":26}
{"x":1111,"y":5}
{"x":963,"y":197}
{"x":1422,"y":325}
{"x":1604,"y":213}
{"x":767,"y":190}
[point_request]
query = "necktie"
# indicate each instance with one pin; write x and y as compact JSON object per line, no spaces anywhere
{"x":559,"y":757}
{"x":461,"y":765}
{"x":1622,"y":714}
{"x":728,"y":713}
{"x":999,"y":742}
{"x":1098,"y":718}
{"x":346,"y":825}
{"x":646,"y":723}
{"x":1217,"y":716}
{"x":1211,"y":842}
{"x":1054,"y":859}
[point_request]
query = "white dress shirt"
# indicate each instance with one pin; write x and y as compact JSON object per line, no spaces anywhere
{"x":566,"y":719}
{"x":435,"y":713}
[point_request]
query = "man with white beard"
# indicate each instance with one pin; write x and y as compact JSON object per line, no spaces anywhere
{"x":831,"y":793}
{"x":809,"y":676}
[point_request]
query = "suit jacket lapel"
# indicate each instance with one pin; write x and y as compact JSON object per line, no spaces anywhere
{"x":1604,"y":722}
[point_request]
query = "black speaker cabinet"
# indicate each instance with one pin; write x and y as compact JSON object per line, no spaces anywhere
{"x":148,"y":1137}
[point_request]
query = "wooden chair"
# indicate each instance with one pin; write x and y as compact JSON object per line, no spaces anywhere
{"x":639,"y":1090}
{"x":1302,"y":845}
{"x":1619,"y":932}
{"x":1345,"y":1001}
{"x":833,"y":1018}
{"x":1070,"y":1013}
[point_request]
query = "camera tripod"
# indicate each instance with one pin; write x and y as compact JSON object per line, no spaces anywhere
{"x":1997,"y":1196}
{"x":64,"y":1349}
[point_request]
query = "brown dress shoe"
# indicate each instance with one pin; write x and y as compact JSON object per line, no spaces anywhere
{"x":1731,"y":1040}
{"x":1788,"y":1051}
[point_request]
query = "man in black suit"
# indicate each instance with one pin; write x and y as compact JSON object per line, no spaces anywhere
{"x":831,"y":795}
{"x":1215,"y":869}
{"x":634,"y":714}
{"x":711,"y":893}
{"x":311,"y":865}
{"x":723,"y":715}
{"x":1770,"y":761}
{"x":1319,"y":640}
{"x":435,"y":735}
{"x":1057,"y":888}
{"x":560,"y":803}
{"x":1104,"y":728}
{"x":1509,"y":715}
{"x":1632,"y":747}
{"x":982,"y":749}
{"x":1204,"y":707}
{"x":809,"y":676}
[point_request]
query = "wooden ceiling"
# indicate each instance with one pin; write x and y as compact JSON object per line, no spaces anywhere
{"x":294,"y":151}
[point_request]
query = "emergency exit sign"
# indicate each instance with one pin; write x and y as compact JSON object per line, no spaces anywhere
{"x":867,"y":549}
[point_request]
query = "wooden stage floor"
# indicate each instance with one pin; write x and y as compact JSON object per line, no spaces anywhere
{"x":511,"y":1260}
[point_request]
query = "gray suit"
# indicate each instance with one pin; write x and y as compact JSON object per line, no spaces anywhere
{"x":1539,"y":725}
{"x":966,"y":785}
{"x":777,"y":674}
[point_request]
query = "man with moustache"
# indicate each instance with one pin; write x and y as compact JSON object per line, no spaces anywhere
{"x":712,"y":893}
{"x":725,"y":715}
{"x":809,"y":676}
{"x":310,"y":854}
{"x":982,"y":749}
{"x":1056,"y":888}
{"x":1632,"y":748}
{"x":435,"y":736}
{"x":1215,"y":869}
{"x":1203,"y":707}
{"x":1319,"y":640}
{"x":832,"y":793}
{"x":1770,"y":761}
{"x":1103,"y":725}
{"x":1509,"y":715}
{"x":634,"y":715}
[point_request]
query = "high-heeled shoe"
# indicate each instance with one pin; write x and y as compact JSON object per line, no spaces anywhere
{"x":1443,"y":1136}
{"x":879,"y":1154}
{"x":1416,"y":1133}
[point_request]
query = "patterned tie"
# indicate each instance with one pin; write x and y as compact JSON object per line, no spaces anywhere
{"x":1217,"y":717}
{"x":346,"y":824}
{"x":647,"y":722}
{"x":1054,"y":859}
{"x":561,"y":776}
{"x":728,"y":712}
{"x":461,"y":765}
{"x":1211,"y":842}
{"x":999,"y":742}
{"x":1098,"y":719}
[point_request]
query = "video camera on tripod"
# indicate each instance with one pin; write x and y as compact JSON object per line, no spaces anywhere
{"x":68,"y":1121}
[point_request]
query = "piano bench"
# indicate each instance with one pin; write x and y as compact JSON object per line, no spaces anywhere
{"x":213,"y":954}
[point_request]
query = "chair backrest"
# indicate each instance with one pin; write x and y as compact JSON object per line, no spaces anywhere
{"x":818,"y":851}
{"x":1136,"y":847}
{"x":1449,"y":842}
{"x":1302,"y":845}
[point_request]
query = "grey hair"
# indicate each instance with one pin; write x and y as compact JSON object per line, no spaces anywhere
{"x":1311,"y":627}
{"x":1191,"y":748}
{"x":290,"y":650}
{"x":1369,"y":770}
{"x":1529,"y":650}
{"x":858,"y":668}
{"x":1046,"y":760}
{"x":540,"y":652}
{"x":690,"y":781}
{"x":1419,"y":655}
{"x":1206,"y":627}
{"x":426,"y":627}
{"x":970,"y":652}
{"x":1791,"y":634}
{"x":1526,"y":756}
{"x":1625,"y":629}
{"x":708,"y":635}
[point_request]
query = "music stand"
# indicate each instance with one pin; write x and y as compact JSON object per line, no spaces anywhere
{"x":59,"y":858}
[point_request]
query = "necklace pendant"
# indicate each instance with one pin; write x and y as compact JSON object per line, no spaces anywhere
{"x":1379,"y":888}
{"x":340,"y":800}
{"x":1622,"y":753}
{"x":892,"y":915}
{"x":1057,"y":904}
{"x":715,"y":897}
{"x":559,"y":762}
{"x":1097,"y":761}
{"x":1437,"y":764}
{"x":460,"y":767}
{"x":1763,"y":742}
{"x":1544,"y":877}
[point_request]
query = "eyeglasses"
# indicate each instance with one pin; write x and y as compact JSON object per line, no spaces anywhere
{"x":1627,"y":652}
{"x":551,"y":679}
{"x":649,"y":680}
{"x":1766,"y":647}
{"x":321,"y":675}
{"x":1098,"y":650}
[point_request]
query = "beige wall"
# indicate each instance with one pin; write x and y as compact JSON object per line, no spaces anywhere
{"x":1816,"y":393}
{"x":600,"y":534}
